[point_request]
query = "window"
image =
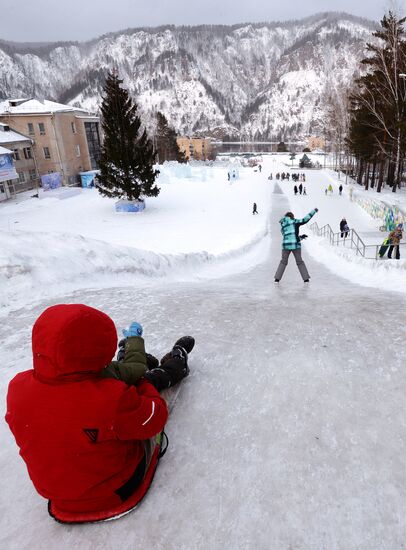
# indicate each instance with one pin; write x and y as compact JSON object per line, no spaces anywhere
{"x":73,"y":126}
{"x":41,"y":127}
{"x":16,"y":154}
{"x":21,"y":177}
{"x":33,"y":174}
{"x":31,"y":129}
{"x":93,"y":143}
{"x":78,"y":150}
{"x":27,"y":153}
{"x":47,"y":154}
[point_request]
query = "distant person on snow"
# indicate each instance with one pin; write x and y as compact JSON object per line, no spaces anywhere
{"x":259,"y":168}
{"x":254,"y":208}
{"x":340,"y":190}
{"x":395,"y":237}
{"x":292,"y":243}
{"x":325,"y":191}
{"x":344,"y":228}
{"x":89,"y":428}
{"x":295,"y":189}
{"x":330,"y":189}
{"x":300,"y":188}
{"x":304,"y":191}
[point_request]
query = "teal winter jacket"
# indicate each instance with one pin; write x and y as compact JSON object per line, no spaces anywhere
{"x":290,"y":230}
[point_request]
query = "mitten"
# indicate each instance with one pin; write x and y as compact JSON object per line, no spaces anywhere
{"x":303,"y":237}
{"x":316,"y":209}
{"x":135,"y":329}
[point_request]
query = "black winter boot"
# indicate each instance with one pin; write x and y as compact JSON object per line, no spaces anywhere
{"x":183,"y":346}
{"x":186,"y":342}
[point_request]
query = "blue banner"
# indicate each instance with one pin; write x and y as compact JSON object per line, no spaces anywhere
{"x":51,"y":181}
{"x":7,"y":170}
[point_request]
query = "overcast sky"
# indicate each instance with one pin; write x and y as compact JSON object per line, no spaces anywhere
{"x":52,"y":20}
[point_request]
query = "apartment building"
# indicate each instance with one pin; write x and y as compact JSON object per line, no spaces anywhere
{"x":196,"y":148}
{"x":316,"y":142}
{"x":24,"y":162}
{"x":65,"y":139}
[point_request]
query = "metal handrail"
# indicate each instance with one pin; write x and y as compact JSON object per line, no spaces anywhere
{"x":335,"y":238}
{"x":353,"y":239}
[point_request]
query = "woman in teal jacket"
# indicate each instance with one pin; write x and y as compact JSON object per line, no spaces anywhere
{"x":291,"y":243}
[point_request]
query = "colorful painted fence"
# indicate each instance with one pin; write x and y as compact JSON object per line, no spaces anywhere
{"x":390,"y":215}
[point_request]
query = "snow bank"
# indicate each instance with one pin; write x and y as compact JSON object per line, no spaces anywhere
{"x":35,"y":266}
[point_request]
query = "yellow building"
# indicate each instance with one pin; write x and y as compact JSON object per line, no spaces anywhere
{"x":65,"y":139}
{"x":196,"y":148}
{"x":316,"y":142}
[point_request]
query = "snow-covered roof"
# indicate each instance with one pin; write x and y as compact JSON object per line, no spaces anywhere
{"x":34,"y":106}
{"x":11,"y":136}
{"x":4,"y":151}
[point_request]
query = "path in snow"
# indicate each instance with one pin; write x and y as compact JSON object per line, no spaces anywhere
{"x":289,"y":433}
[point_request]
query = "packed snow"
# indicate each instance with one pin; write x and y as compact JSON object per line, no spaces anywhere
{"x":289,"y":432}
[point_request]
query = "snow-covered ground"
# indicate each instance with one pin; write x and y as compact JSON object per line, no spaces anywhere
{"x":50,"y":246}
{"x":290,"y":430}
{"x":382,"y":273}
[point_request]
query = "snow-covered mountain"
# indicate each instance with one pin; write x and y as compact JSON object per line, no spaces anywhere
{"x":263,"y":80}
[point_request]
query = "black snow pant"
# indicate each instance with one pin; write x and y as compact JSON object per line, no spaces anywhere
{"x":171,"y":371}
{"x":392,"y":246}
{"x":299,"y":262}
{"x":162,"y":375}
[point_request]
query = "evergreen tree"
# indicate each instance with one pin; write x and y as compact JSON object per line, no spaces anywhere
{"x":127,"y":158}
{"x":378,"y":123}
{"x":166,"y":144}
{"x":305,"y":162}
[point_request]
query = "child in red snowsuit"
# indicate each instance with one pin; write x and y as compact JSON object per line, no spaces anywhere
{"x":80,"y":427}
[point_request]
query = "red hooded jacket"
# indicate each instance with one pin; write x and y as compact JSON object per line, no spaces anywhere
{"x":79,"y":434}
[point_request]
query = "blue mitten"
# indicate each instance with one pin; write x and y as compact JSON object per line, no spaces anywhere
{"x":135,"y":329}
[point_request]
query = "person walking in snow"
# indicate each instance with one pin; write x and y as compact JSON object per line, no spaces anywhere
{"x":395,"y":237}
{"x":300,"y":188}
{"x":89,"y":428}
{"x":304,"y":191}
{"x":344,"y":228}
{"x":254,"y":208}
{"x":292,"y":243}
{"x":330,"y":189}
{"x":295,"y":189}
{"x":340,"y":190}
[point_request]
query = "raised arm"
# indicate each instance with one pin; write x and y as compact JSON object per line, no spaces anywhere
{"x":309,"y":216}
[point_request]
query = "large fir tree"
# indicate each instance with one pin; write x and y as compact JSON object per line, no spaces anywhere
{"x":127,"y":156}
{"x":166,"y":144}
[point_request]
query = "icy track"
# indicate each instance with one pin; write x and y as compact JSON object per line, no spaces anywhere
{"x":290,"y":432}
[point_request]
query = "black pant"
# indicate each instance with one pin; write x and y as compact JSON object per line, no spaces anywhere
{"x":392,"y":246}
{"x":171,"y":371}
